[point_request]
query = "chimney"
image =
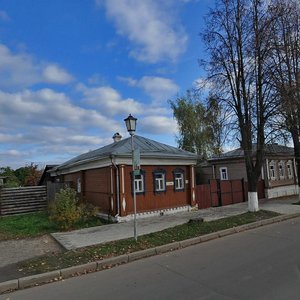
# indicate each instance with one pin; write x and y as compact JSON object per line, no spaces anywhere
{"x":117,"y":137}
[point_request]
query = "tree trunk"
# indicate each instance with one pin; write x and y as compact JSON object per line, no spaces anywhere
{"x":252,"y":190}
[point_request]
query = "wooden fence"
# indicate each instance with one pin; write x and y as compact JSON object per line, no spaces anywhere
{"x":22,"y":200}
{"x":224,"y":192}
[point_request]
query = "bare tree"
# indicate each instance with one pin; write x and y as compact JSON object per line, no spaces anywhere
{"x":285,"y":67}
{"x":237,"y":40}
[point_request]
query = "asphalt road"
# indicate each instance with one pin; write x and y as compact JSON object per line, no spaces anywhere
{"x":260,"y":264}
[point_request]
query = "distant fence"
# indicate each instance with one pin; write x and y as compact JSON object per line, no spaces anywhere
{"x":224,"y":192}
{"x":22,"y":200}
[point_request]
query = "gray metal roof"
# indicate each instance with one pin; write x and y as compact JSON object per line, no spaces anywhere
{"x":270,"y":150}
{"x":147,"y":147}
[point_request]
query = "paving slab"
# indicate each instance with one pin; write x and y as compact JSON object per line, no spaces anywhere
{"x":112,"y":232}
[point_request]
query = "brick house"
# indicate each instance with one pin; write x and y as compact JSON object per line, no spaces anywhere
{"x":104,"y":178}
{"x":278,"y":172}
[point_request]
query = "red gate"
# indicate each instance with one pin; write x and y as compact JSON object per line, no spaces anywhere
{"x":225,"y":192}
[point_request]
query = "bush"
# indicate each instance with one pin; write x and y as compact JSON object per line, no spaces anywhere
{"x":64,"y":211}
{"x":67,"y":211}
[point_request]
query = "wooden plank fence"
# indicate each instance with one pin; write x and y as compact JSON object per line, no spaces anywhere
{"x":22,"y":200}
{"x":220,"y":193}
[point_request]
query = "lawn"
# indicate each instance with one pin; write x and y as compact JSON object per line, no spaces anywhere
{"x":34,"y":224}
{"x":178,"y":233}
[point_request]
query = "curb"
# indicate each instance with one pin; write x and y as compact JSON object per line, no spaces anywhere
{"x":29,"y":281}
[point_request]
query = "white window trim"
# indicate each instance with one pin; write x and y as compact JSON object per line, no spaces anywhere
{"x":179,"y":181}
{"x":289,"y":169}
{"x":273,"y":165}
{"x":137,"y":185}
{"x":161,"y":186}
{"x":281,"y":167}
{"x":221,"y":173}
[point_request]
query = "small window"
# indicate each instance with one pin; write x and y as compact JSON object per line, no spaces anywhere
{"x":139,"y":182}
{"x":223,"y":173}
{"x":281,"y":170}
{"x":159,"y":180}
{"x":289,"y":170}
{"x":178,"y":179}
{"x":272,"y":170}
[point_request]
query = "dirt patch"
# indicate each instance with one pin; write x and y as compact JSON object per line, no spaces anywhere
{"x":13,"y":251}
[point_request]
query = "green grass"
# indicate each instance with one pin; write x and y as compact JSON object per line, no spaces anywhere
{"x":34,"y":224}
{"x":178,"y":233}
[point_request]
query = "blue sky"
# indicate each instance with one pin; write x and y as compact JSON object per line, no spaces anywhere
{"x":72,"y":70}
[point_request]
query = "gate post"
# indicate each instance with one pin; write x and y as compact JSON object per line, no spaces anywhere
{"x":243,"y":189}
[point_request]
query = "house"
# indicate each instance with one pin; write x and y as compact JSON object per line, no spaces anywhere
{"x":104,"y":177}
{"x":46,"y":175}
{"x":278,"y":172}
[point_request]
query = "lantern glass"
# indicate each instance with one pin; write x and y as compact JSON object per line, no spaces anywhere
{"x":130,"y":122}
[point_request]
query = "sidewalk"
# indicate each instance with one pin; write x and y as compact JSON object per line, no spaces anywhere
{"x":102,"y":234}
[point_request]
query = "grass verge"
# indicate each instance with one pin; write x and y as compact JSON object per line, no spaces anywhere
{"x":177,"y":233}
{"x":34,"y":224}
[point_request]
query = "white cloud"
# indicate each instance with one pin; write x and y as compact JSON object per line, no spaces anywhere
{"x":160,"y":89}
{"x":48,"y":108}
{"x":110,"y":101}
{"x":156,"y":34}
{"x":21,"y":70}
{"x":158,"y":125}
{"x":54,"y":74}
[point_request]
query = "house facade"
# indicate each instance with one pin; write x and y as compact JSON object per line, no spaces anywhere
{"x":278,"y":171}
{"x":104,"y":177}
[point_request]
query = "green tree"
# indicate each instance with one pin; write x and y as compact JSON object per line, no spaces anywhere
{"x":12,"y":180}
{"x":21,"y":173}
{"x":199,"y":130}
{"x":28,"y":175}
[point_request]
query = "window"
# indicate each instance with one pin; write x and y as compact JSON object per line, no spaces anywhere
{"x":178,"y":179}
{"x":272,"y":173}
{"x":223,"y":173}
{"x":139,"y":182}
{"x":281,"y":170}
{"x":159,"y":180}
{"x":289,"y":169}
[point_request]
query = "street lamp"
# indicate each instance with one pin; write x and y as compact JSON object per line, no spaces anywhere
{"x":130,"y":122}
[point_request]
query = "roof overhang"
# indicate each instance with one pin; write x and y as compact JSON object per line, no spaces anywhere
{"x":121,"y":160}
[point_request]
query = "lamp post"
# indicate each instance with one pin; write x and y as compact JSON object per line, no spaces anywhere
{"x":130,"y":122}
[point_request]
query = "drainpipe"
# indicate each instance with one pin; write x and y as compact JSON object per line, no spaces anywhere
{"x":117,"y":185}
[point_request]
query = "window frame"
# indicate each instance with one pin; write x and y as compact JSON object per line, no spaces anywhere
{"x":272,"y":170}
{"x":289,"y":169}
{"x":182,"y":173}
{"x":156,"y":176}
{"x":133,"y":180}
{"x":221,"y":173}
{"x":281,"y":170}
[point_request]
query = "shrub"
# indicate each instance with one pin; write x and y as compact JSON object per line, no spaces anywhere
{"x":65,"y":211}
